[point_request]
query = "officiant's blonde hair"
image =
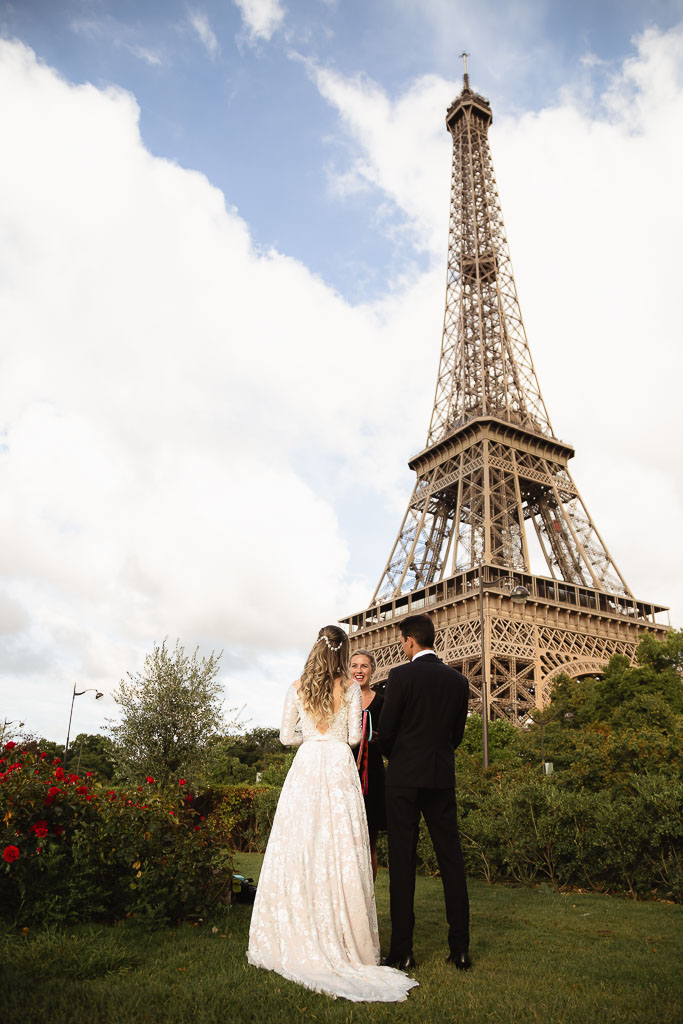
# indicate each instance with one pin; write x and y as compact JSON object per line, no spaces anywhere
{"x":328,"y":660}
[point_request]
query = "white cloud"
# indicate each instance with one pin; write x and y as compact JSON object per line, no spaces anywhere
{"x":591,"y":197}
{"x":118,"y":34}
{"x":185,"y":421}
{"x":149,"y":56}
{"x":200,"y":23}
{"x":168,"y":396}
{"x":262,"y":18}
{"x":400,"y":148}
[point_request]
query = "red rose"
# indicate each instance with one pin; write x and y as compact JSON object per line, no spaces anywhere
{"x":73,"y":778}
{"x":111,"y":794}
{"x":39,"y":849}
{"x":139,"y":789}
{"x":181,"y":782}
{"x":51,"y":794}
{"x":56,"y":760}
{"x":171,"y":812}
{"x":59,"y":774}
{"x":82,"y":789}
{"x":89,"y":797}
{"x":10,"y":746}
{"x":11,"y":853}
{"x":151,"y":779}
{"x":43,"y":755}
{"x":40,"y":828}
{"x":196,"y":828}
{"x":88,"y":775}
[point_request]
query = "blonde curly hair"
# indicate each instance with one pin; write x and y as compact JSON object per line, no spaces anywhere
{"x":328,"y":660}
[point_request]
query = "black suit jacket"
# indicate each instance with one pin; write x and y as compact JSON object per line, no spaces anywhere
{"x":422,"y":722}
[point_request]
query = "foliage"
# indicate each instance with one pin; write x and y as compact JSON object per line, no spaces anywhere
{"x":243,"y":758}
{"x":649,"y":693}
{"x":276,"y":772}
{"x":219,"y":767}
{"x":88,"y":752}
{"x":170,"y":711}
{"x":74,"y":849}
{"x":94,"y":753}
{"x":504,"y":740}
{"x":242,"y":816}
{"x":255,"y":747}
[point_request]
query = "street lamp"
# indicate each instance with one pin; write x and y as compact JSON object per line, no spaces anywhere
{"x":78,"y":693}
{"x":518,"y":594}
{"x":5,"y":724}
{"x":541,"y":721}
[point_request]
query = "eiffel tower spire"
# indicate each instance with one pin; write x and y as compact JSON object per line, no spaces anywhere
{"x":485,"y":365}
{"x":494,"y":498}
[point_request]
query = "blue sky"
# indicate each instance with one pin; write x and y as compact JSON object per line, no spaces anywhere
{"x":222,"y":263}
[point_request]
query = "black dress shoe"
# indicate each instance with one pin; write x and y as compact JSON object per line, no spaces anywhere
{"x":460,"y":960}
{"x":404,"y":963}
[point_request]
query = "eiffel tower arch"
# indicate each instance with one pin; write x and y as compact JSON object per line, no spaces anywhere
{"x":497,"y":543}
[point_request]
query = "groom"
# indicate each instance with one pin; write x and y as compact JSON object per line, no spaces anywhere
{"x":421,"y":724}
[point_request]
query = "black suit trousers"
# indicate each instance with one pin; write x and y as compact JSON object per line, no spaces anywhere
{"x":404,"y":806}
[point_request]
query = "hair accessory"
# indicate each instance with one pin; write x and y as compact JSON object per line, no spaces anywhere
{"x":330,"y":646}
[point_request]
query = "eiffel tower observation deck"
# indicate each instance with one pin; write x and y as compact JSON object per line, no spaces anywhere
{"x":496,"y":543}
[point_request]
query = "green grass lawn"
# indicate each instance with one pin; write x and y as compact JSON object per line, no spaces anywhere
{"x":538,"y":957}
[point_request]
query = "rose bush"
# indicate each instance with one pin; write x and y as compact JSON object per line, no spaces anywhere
{"x":74,"y":850}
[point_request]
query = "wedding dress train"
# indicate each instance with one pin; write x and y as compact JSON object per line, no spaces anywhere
{"x":314,"y":919}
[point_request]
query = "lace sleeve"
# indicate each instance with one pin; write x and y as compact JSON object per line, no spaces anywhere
{"x":355,"y":714}
{"x":289,"y":735}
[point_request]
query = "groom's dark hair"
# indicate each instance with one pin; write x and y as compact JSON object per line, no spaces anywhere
{"x":420,"y":627}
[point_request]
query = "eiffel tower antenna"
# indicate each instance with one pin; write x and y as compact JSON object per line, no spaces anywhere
{"x":495,"y":512}
{"x":466,"y":77}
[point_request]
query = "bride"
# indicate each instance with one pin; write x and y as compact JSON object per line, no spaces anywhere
{"x":314,"y":919}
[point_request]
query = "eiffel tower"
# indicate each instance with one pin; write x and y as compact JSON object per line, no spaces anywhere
{"x":497,"y":544}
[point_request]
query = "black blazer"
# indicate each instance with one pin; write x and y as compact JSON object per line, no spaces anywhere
{"x":422,"y":722}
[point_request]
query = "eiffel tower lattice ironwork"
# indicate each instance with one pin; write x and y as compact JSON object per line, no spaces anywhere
{"x":494,"y":501}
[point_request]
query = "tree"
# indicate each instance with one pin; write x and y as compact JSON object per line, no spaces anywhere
{"x":170,"y":711}
{"x":256,"y":747}
{"x":241,"y":757}
{"x":89,"y":752}
{"x":92,"y":752}
{"x":220,"y":767}
{"x":503,"y":740}
{"x":649,"y":693}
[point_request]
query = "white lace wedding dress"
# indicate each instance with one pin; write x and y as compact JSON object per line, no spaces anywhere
{"x":314,"y":919}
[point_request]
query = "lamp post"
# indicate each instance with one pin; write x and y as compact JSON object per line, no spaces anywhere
{"x":541,"y":721}
{"x":4,"y":727}
{"x":78,"y":693}
{"x":518,"y":594}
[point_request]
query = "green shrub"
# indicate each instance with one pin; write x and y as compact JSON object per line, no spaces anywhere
{"x":242,"y":816}
{"x":75,"y":850}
